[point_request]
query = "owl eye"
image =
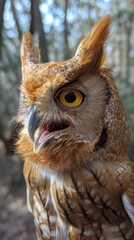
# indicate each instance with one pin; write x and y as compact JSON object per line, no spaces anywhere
{"x":71,"y":97}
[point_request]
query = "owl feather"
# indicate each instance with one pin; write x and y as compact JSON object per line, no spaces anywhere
{"x":74,"y":143}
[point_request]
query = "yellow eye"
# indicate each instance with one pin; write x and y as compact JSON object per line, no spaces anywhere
{"x":71,"y":97}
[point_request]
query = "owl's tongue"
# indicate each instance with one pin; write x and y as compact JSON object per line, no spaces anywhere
{"x":42,"y":137}
{"x":45,"y":133}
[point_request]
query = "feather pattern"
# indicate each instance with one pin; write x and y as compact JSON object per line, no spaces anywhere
{"x":80,"y":182}
{"x":92,"y":46}
{"x":29,"y":53}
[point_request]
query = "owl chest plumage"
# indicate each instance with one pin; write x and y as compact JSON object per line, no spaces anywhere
{"x":79,"y":206}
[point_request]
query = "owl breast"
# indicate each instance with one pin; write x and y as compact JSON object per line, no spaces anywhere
{"x":80,"y":205}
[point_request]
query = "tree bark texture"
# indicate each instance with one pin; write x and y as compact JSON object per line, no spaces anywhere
{"x":2,"y":6}
{"x":16,"y":18}
{"x":37,"y":26}
{"x":66,"y":43}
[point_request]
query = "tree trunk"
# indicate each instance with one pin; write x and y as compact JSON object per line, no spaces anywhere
{"x":66,"y":44}
{"x":16,"y":18}
{"x":95,"y":5}
{"x":37,"y":26}
{"x":128,"y":48}
{"x":2,"y":5}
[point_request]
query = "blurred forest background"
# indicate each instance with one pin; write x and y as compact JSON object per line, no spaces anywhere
{"x":59,"y":25}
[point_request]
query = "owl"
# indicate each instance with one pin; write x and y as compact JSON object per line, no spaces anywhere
{"x":74,"y":142}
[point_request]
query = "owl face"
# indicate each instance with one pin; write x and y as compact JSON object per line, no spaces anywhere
{"x":64,"y":104}
{"x":64,"y":116}
{"x":73,"y":112}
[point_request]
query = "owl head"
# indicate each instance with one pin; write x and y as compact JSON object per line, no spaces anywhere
{"x":70,"y":110}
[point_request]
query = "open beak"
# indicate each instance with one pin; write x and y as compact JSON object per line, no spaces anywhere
{"x":42,"y":133}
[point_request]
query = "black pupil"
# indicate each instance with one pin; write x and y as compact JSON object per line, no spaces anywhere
{"x":70,"y":97}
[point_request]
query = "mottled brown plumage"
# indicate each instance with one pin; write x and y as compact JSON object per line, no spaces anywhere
{"x":74,"y":142}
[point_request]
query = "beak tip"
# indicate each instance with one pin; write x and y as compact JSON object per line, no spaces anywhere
{"x":37,"y":148}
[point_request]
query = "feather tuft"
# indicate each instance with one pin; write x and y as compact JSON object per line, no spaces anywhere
{"x":29,"y":54}
{"x":92,"y":47}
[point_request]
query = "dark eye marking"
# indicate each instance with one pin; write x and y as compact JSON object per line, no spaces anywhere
{"x":102,"y":140}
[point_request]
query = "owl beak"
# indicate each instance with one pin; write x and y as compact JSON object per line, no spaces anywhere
{"x":33,"y":122}
{"x":42,"y":133}
{"x":42,"y":138}
{"x":46,"y":133}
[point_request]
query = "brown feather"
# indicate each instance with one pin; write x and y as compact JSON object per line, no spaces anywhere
{"x":92,"y":46}
{"x":29,"y":53}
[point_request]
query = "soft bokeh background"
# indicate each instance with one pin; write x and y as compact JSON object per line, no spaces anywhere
{"x":59,"y":25}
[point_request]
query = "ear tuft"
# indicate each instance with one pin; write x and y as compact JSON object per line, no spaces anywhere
{"x":29,"y":54}
{"x":92,"y":48}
